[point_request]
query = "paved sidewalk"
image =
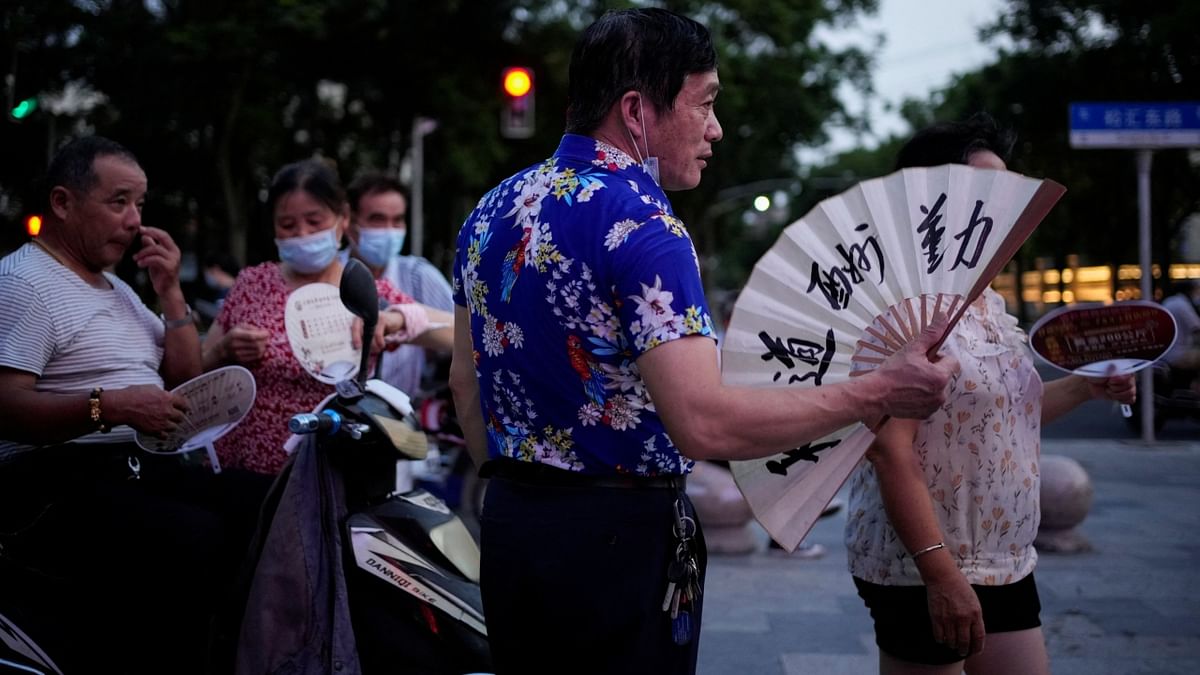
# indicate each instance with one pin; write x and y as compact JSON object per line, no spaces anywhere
{"x":1130,"y":606}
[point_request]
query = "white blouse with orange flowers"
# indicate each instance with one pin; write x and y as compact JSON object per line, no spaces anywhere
{"x":979,"y":453}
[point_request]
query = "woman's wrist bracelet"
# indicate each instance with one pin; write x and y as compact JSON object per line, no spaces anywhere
{"x":928,"y":549}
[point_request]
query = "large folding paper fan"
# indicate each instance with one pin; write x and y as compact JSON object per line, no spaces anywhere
{"x":853,"y":281}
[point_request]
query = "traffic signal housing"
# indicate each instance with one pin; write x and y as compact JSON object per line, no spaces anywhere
{"x":516,"y":113}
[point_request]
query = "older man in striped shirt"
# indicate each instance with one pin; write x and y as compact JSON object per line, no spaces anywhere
{"x":87,"y":520}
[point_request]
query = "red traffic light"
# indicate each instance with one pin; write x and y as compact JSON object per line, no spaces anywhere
{"x":517,"y":82}
{"x":516,"y":110}
{"x":33,"y":225}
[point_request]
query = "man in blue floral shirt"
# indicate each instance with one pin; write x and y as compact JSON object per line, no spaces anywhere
{"x":586,"y":370}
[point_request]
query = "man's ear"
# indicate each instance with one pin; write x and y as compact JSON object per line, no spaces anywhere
{"x":632,"y":113}
{"x":61,"y":201}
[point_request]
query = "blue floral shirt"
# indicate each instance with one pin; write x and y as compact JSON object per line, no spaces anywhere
{"x":571,"y":270}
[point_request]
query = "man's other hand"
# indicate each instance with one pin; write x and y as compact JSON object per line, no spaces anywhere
{"x":145,"y":407}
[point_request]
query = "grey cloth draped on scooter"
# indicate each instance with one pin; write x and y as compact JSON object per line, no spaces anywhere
{"x":297,"y":618}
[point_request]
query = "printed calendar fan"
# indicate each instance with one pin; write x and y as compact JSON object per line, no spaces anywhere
{"x":850,"y":283}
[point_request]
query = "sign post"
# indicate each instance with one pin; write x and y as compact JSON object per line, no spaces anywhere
{"x":1144,"y":127}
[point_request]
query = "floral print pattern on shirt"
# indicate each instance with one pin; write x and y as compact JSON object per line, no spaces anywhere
{"x":571,"y":270}
{"x":979,"y":454}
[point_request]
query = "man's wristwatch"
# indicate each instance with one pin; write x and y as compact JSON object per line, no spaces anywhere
{"x":94,"y":410}
{"x":185,"y":320}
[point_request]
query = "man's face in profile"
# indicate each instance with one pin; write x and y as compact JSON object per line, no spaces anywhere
{"x":682,"y":137}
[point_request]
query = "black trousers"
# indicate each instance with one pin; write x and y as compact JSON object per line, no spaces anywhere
{"x":84,"y":544}
{"x":573,"y":580}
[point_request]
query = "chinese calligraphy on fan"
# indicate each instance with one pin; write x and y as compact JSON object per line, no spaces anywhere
{"x":794,"y":350}
{"x":807,"y":453}
{"x":934,"y":232}
{"x":838,"y":282}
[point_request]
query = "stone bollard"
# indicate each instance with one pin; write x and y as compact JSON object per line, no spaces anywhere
{"x":723,"y":511}
{"x":1066,"y":499}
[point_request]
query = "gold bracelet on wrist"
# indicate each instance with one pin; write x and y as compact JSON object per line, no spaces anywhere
{"x":94,"y":410}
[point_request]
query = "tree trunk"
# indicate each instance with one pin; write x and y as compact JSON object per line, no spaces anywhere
{"x":235,"y":217}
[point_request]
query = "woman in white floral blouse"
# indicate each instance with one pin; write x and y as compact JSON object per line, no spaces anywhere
{"x":942,"y":518}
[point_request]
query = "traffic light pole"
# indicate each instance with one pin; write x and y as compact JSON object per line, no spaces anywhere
{"x":1146,"y":376}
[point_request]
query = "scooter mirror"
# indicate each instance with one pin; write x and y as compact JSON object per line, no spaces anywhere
{"x":358,"y":293}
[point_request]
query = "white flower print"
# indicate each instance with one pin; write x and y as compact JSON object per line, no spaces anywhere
{"x":624,"y":378}
{"x":609,"y":156}
{"x":654,"y":305}
{"x":492,"y":338}
{"x":655,"y":461}
{"x":516,"y":337}
{"x":658,"y":322}
{"x":531,"y":190}
{"x":620,"y":232}
{"x":586,"y":193}
{"x":622,"y":413}
{"x":602,"y":322}
{"x":590,"y":414}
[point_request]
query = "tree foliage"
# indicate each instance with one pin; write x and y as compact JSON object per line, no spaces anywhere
{"x":215,"y":95}
{"x":1054,"y":52}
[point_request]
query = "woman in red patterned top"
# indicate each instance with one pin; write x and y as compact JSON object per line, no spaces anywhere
{"x":310,"y":215}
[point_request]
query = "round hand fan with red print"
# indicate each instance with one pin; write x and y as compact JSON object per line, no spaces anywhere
{"x":850,"y":283}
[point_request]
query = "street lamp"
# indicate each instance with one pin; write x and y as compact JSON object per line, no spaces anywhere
{"x":422,"y":127}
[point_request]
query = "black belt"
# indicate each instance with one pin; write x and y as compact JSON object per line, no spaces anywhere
{"x":535,"y":473}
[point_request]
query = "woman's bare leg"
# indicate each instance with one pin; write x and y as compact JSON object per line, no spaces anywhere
{"x":1021,"y":652}
{"x":890,"y":665}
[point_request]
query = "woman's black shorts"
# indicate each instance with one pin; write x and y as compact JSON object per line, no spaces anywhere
{"x":904,"y":630}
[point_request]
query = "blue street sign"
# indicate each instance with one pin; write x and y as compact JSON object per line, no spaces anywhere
{"x":1135,"y":124}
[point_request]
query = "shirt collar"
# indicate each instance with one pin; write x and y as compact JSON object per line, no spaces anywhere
{"x":588,"y":150}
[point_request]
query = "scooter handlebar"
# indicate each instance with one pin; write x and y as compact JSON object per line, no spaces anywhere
{"x":326,"y":422}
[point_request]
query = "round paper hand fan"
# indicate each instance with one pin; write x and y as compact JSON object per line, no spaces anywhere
{"x":217,"y":401}
{"x":1097,"y":340}
{"x":318,"y":328}
{"x":853,"y":281}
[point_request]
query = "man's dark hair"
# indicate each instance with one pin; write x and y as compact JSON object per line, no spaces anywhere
{"x":954,"y":142}
{"x":647,"y":50}
{"x":374,"y":184}
{"x":313,"y":176}
{"x":74,"y":166}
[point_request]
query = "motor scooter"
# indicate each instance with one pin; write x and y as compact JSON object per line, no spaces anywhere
{"x":20,"y":654}
{"x":448,"y":470}
{"x":395,"y":587}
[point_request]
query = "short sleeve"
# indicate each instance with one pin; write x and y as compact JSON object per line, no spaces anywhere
{"x":431,"y":286}
{"x":26,"y":328}
{"x":657,"y":286}
{"x":234,"y":300}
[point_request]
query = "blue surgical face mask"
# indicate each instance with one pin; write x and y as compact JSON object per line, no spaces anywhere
{"x":311,"y":253}
{"x":378,"y":245}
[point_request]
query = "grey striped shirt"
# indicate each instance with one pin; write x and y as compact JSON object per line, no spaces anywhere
{"x":72,"y":336}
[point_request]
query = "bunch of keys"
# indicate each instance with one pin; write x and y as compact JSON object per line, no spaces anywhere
{"x":683,"y":578}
